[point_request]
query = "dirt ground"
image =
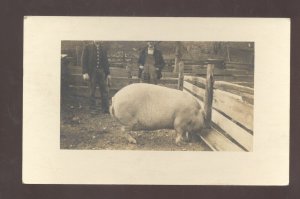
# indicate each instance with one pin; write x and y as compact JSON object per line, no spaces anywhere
{"x":80,"y":129}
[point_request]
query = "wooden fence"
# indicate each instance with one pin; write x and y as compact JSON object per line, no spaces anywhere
{"x":231,"y":125}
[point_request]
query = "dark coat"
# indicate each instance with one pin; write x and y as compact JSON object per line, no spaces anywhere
{"x":158,"y":59}
{"x":89,"y":59}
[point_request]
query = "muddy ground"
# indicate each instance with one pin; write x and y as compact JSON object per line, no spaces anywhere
{"x":80,"y":129}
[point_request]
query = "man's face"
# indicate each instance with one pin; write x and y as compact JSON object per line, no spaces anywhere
{"x":97,"y":42}
{"x":150,"y":44}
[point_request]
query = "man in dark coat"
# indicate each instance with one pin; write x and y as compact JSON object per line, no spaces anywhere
{"x":95,"y":68}
{"x":150,"y":63}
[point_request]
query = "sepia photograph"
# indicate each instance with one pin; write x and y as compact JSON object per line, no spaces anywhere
{"x":157,"y":95}
{"x":156,"y":101}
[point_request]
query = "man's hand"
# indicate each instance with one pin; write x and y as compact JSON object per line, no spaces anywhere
{"x":85,"y":76}
{"x":108,"y":79}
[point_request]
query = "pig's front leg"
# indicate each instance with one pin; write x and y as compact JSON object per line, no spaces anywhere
{"x":179,"y":135}
{"x":179,"y":126}
{"x":129,"y":138}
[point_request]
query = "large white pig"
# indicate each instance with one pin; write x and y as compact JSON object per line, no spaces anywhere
{"x":150,"y":107}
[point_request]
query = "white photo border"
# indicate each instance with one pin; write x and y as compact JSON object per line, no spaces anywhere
{"x":45,"y":163}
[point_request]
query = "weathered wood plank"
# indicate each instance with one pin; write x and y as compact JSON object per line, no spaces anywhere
{"x":117,"y":65}
{"x":239,"y":134}
{"x":168,"y":80}
{"x":187,"y":61}
{"x":169,"y":74}
{"x":238,"y":63}
{"x":134,"y":67}
{"x":219,"y":142}
{"x":191,"y":66}
{"x":74,"y":69}
{"x":227,"y":86}
{"x":247,"y":84}
{"x":119,"y":72}
{"x":245,"y":92}
{"x":216,"y":72}
{"x":247,"y":78}
{"x":116,"y":82}
{"x":235,"y":71}
{"x":241,"y":80}
{"x":85,"y":92}
{"x":169,"y":85}
{"x":195,"y":79}
{"x":248,"y":67}
{"x":199,"y":92}
{"x":134,"y":72}
{"x":122,"y":60}
{"x":114,"y":71}
{"x":120,"y":82}
{"x":201,"y":70}
{"x":234,"y":106}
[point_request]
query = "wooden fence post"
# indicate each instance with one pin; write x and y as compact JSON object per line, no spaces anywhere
{"x":123,"y":58}
{"x":178,"y":56}
{"x":180,"y":76}
{"x":78,"y":56}
{"x":129,"y":74}
{"x":209,"y":93}
{"x":228,"y":53}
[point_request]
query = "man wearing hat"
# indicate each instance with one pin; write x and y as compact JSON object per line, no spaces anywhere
{"x":150,"y":64}
{"x":95,"y":68}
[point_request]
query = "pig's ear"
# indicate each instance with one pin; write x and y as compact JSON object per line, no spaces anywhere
{"x":202,"y":113}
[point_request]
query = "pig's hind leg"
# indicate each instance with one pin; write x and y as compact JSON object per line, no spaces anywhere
{"x":128,"y":121}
